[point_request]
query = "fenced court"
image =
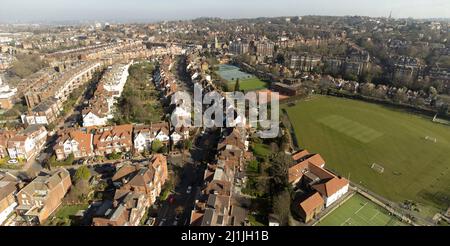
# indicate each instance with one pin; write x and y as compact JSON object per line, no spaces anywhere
{"x":359,"y":211}
{"x":247,"y":82}
{"x":231,"y":73}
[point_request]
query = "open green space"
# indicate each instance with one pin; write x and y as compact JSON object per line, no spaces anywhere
{"x":353,"y":135}
{"x":140,"y":100}
{"x":359,"y":211}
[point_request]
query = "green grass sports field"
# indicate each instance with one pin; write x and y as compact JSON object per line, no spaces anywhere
{"x":352,"y":135}
{"x":359,"y":211}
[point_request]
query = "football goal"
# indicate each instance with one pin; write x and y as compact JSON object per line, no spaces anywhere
{"x":378,"y":168}
{"x":431,"y":139}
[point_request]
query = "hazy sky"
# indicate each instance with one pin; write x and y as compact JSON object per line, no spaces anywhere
{"x":123,"y":10}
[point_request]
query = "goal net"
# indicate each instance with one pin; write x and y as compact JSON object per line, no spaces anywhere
{"x":377,"y":168}
{"x":431,"y":139}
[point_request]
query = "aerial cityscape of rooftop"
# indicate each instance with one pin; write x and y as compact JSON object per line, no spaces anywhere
{"x":233,"y":113}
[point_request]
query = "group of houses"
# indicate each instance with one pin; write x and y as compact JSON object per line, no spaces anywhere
{"x":100,"y":107}
{"x":47,"y":94}
{"x":100,"y":141}
{"x":24,"y":144}
{"x":137,"y":187}
{"x":216,"y":203}
{"x":167,"y":85}
{"x":35,"y":202}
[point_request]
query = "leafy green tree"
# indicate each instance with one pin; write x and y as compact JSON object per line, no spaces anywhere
{"x":69,"y":160}
{"x":282,"y":206}
{"x":279,"y":171}
{"x":114,"y":156}
{"x":156,"y":146}
{"x":82,"y":173}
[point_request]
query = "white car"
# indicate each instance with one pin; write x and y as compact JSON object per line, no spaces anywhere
{"x":189,"y":189}
{"x":151,"y":222}
{"x":13,"y":161}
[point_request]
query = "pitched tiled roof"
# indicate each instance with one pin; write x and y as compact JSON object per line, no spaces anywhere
{"x":311,"y":203}
{"x":330,"y":187}
{"x":81,"y":137}
{"x":297,"y":170}
{"x":122,"y":131}
{"x":300,"y":154}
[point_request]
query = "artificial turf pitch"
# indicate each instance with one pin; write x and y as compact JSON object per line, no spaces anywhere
{"x":351,"y":135}
{"x":359,"y":211}
{"x":247,"y":82}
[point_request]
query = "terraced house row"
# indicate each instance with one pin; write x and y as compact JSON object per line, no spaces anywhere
{"x":100,"y":107}
{"x":46,"y":97}
{"x":24,"y":144}
{"x":166,"y":84}
{"x":101,"y":141}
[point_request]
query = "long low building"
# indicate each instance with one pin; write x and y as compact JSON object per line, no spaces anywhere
{"x":61,"y":85}
{"x":46,"y":98}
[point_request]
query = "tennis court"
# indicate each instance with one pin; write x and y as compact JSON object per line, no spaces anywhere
{"x":359,"y":211}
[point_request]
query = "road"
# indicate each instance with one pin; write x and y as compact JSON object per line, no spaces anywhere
{"x":191,"y":176}
{"x":193,"y":166}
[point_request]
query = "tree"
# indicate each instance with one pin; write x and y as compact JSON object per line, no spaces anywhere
{"x":433,"y":92}
{"x":401,"y":96}
{"x":282,"y":206}
{"x":79,"y":192}
{"x":237,"y":86}
{"x":114,"y":156}
{"x":279,"y":171}
{"x":280,"y":59}
{"x":367,"y":89}
{"x":69,"y":160}
{"x":156,"y":146}
{"x":82,"y":173}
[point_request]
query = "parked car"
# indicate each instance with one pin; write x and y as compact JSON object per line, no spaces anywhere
{"x":151,"y":221}
{"x":13,"y":161}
